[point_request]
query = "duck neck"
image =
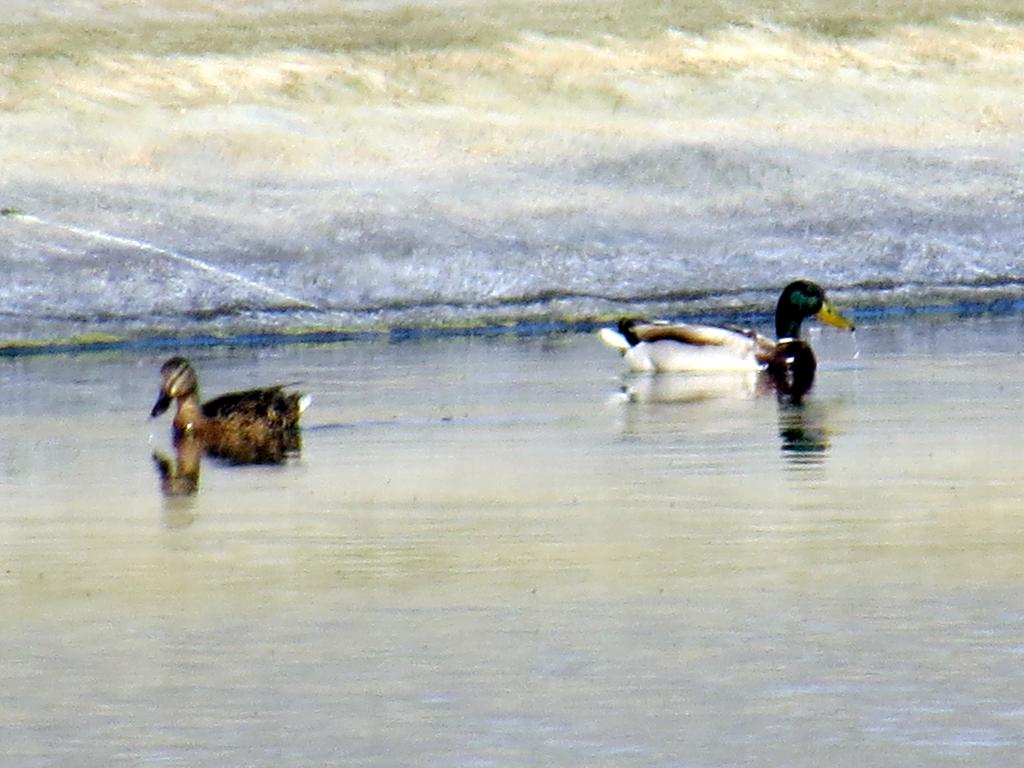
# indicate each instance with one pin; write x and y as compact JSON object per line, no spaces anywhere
{"x":787,"y":325}
{"x":189,"y":417}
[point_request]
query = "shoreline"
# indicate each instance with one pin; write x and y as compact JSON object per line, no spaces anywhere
{"x":155,"y":339}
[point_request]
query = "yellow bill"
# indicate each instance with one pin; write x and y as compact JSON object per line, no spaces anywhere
{"x":829,"y":314}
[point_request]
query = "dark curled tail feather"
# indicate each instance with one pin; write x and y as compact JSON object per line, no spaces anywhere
{"x":627,"y":326}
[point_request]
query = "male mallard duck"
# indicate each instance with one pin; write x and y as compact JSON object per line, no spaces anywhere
{"x":257,"y":426}
{"x":662,"y":347}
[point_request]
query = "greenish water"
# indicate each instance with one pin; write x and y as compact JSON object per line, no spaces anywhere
{"x":487,"y":556}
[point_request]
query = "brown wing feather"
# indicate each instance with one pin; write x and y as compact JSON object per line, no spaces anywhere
{"x":271,"y":405}
{"x":684,"y":334}
{"x":707,"y":336}
{"x":764,"y":348}
{"x":257,"y":426}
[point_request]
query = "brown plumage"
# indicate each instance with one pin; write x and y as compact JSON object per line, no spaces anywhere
{"x":791,"y":368}
{"x":256,"y":426}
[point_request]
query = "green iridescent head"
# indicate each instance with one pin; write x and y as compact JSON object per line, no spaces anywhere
{"x":802,"y":299}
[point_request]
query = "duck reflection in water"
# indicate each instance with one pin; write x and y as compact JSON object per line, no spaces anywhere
{"x":255,"y":426}
{"x":802,"y":421}
{"x":180,"y":476}
{"x":789,"y":382}
{"x":804,"y":432}
{"x":801,"y":424}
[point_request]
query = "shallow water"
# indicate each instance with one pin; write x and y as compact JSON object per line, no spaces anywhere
{"x":487,"y":556}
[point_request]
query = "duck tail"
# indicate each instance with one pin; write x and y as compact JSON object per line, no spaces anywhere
{"x":624,"y":335}
{"x":614,"y":339}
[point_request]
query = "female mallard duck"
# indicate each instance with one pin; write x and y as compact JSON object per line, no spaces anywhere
{"x":257,"y":426}
{"x":662,"y":347}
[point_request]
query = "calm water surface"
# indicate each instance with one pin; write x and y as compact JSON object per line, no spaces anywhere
{"x":487,"y":556}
